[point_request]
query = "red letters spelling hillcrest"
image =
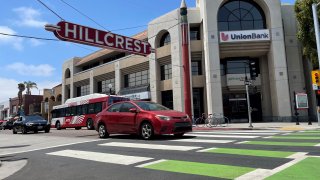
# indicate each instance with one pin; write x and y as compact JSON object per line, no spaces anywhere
{"x":85,"y":35}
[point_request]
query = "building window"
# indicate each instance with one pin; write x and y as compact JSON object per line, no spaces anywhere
{"x":136,"y":79}
{"x":196,"y":68}
{"x":241,"y":15}
{"x":195,"y":33}
{"x":83,"y":90}
{"x":166,"y":72}
{"x":167,"y":99}
{"x":165,"y":40}
{"x":103,"y":86}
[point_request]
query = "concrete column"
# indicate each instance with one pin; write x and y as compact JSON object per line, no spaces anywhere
{"x":91,"y":82}
{"x":279,"y":86}
{"x":117,"y":78}
{"x":265,"y":88}
{"x":177,"y":69}
{"x":212,"y":55}
{"x":154,"y":73}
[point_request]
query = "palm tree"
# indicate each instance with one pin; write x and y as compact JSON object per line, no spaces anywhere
{"x":29,"y":85}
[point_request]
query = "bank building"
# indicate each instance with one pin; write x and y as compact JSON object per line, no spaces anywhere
{"x":226,"y":37}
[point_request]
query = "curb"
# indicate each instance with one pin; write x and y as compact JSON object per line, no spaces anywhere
{"x":222,"y":129}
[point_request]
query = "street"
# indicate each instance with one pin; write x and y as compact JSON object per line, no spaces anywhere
{"x":236,"y":154}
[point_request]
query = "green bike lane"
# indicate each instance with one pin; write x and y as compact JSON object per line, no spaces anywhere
{"x":294,"y":150}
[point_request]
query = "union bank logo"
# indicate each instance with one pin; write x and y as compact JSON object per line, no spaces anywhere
{"x":224,"y":37}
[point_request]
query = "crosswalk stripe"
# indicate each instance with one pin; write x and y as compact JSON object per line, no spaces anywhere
{"x":101,"y":157}
{"x":203,"y":141}
{"x":236,"y":133}
{"x":222,"y":136}
{"x":150,"y":163}
{"x":151,"y":146}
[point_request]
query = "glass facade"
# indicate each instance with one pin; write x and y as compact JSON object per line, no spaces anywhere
{"x":166,"y":72}
{"x":165,"y":40}
{"x":196,"y":68}
{"x":103,"y":86}
{"x":241,"y":15}
{"x":83,"y":90}
{"x":167,"y":99}
{"x":136,"y":79}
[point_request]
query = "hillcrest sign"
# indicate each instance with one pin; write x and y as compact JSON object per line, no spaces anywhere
{"x":67,"y":31}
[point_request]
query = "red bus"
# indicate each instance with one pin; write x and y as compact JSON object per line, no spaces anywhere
{"x":80,"y":111}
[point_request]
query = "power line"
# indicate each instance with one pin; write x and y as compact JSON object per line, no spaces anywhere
{"x":29,"y":37}
{"x":84,"y":15}
{"x":50,"y":9}
{"x":134,"y":27}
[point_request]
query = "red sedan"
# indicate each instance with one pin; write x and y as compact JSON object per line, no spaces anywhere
{"x":141,"y":117}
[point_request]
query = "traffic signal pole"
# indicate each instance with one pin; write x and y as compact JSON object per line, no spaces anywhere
{"x":316,"y":27}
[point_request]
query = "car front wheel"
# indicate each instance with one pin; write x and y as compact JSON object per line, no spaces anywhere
{"x":103,"y":133}
{"x":24,"y":130}
{"x":146,"y":131}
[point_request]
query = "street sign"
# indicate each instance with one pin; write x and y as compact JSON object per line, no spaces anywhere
{"x":72,"y":32}
{"x":302,"y":101}
{"x":314,"y":86}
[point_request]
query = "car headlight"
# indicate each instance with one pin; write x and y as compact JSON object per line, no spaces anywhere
{"x":29,"y":124}
{"x":164,"y":118}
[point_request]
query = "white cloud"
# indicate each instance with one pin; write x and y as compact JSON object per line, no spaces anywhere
{"x":9,"y":88}
{"x":29,"y":17}
{"x":10,"y":40}
{"x":31,"y":70}
{"x":35,"y":42}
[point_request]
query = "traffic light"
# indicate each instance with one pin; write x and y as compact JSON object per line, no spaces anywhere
{"x":315,"y":77}
{"x":253,"y":67}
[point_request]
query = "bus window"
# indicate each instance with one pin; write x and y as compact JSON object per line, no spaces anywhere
{"x":79,"y":110}
{"x":54,"y":113}
{"x":73,"y":110}
{"x":98,"y":107}
{"x":85,"y":109}
{"x":68,"y":109}
{"x":91,"y":109}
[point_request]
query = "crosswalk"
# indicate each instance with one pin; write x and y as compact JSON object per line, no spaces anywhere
{"x":202,"y":151}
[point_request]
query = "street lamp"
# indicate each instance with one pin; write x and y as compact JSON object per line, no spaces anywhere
{"x":110,"y":87}
{"x":316,"y":27}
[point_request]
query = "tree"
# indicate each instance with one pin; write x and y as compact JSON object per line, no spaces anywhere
{"x":21,"y":88}
{"x":306,"y":31}
{"x":29,"y":85}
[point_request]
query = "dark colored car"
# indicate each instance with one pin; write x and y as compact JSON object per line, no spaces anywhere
{"x":143,"y":118}
{"x":33,"y":123}
{"x":6,"y":124}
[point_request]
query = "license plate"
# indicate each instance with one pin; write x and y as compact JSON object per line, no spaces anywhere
{"x":40,"y":127}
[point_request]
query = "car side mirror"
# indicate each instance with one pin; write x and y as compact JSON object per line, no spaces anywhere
{"x":133,"y":110}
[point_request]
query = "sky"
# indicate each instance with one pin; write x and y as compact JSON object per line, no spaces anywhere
{"x":40,"y":61}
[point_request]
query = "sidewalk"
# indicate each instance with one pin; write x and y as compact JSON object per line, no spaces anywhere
{"x":285,"y":126}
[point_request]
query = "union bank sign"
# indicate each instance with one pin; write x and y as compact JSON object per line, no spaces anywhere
{"x":244,"y":36}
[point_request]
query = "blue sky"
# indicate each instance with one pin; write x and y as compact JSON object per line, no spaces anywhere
{"x":41,"y":61}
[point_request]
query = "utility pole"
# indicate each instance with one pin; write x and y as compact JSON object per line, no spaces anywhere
{"x":185,"y":58}
{"x":316,"y":28}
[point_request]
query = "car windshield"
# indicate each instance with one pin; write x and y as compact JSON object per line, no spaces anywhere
{"x":34,"y":118}
{"x":151,"y":106}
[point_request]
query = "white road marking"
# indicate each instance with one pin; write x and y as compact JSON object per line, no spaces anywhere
{"x":150,"y":163}
{"x":286,"y":134}
{"x":151,"y":146}
{"x":205,"y":150}
{"x":297,"y":155}
{"x":268,"y":137}
{"x":222,"y":136}
{"x":237,"y":133}
{"x":242,"y":142}
{"x":318,"y":145}
{"x":264,"y":173}
{"x":101,"y":157}
{"x":50,"y":147}
{"x":203,"y":141}
{"x":9,"y":168}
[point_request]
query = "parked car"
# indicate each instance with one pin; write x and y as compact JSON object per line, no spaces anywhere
{"x":33,"y":123}
{"x":141,"y":117}
{"x":6,"y":124}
